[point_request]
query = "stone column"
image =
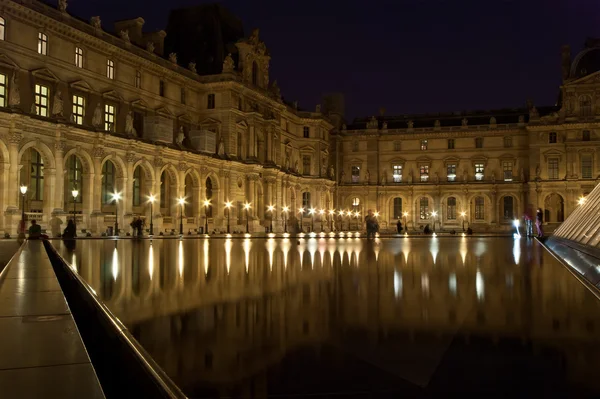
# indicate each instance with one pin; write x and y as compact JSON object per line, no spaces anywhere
{"x":494,"y":207}
{"x":57,"y":201}
{"x":13,"y":195}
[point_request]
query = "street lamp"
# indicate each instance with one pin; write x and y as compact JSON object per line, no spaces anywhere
{"x":23,"y":192}
{"x":151,"y":199}
{"x":271,"y":208}
{"x":341,"y":213}
{"x":116,"y":197}
{"x":206,"y":205}
{"x":463,"y":214}
{"x":311,"y":212}
{"x":181,"y":202}
{"x":228,"y":205}
{"x":434,"y":214}
{"x":331,"y":216}
{"x":75,"y":193}
{"x":247,"y":208}
{"x":285,"y":210}
{"x":321,"y":213}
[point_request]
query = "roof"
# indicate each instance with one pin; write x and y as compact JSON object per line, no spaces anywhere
{"x":587,"y":61}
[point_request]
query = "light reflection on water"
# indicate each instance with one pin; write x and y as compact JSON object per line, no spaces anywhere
{"x":218,"y":305}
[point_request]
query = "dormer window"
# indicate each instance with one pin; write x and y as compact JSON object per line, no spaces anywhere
{"x":161,"y":88}
{"x":306,"y":132}
{"x":110,"y":69}
{"x":552,"y":138}
{"x":42,"y":43}
{"x":424,"y":145}
{"x":210,"y":101}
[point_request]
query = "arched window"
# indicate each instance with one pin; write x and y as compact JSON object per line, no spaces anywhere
{"x":355,"y":203}
{"x":306,"y":201}
{"x":254,"y":73}
{"x":397,"y":208}
{"x":108,"y":182}
{"x":508,"y":208}
{"x":585,"y":106}
{"x":188,"y":191}
{"x":209,"y":195}
{"x":451,"y":208}
{"x":137,"y":186}
{"x":479,"y":208}
{"x":163,"y":190}
{"x":75,"y":176}
{"x":36,"y":178}
{"x":424,"y":208}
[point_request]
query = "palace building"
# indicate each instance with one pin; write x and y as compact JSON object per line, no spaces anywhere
{"x":149,"y":115}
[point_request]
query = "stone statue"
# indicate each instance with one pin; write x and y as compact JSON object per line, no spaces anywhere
{"x":464,"y":122}
{"x":129,"y":123}
{"x":97,"y":118}
{"x":384,"y":126}
{"x":296,"y":165}
{"x":287,"y":162}
{"x":522,"y":175}
{"x":410,"y":124}
{"x":192,"y":67}
{"x":228,"y":64}
{"x":465,"y":175}
{"x":33,"y":109}
{"x":533,"y":113}
{"x":323,"y":170}
{"x":493,"y":178}
{"x":437,"y":123}
{"x":62,"y":5}
{"x":180,"y":137}
{"x":173,"y":58}
{"x":72,"y":118}
{"x":538,"y":172}
{"x":492,"y":121}
{"x":367,"y":176}
{"x":318,"y":109}
{"x":372,"y":123}
{"x":14,"y":96}
{"x":436,"y":178}
{"x":410,"y":176}
{"x":384,"y":177}
{"x":150,"y":47}
{"x":96,"y":22}
{"x":253,"y":39}
{"x":125,"y":35}
{"x":344,"y":127}
{"x":342,"y":176}
{"x":275,"y":90}
{"x":521,"y":119}
{"x":331,"y":172}
{"x":221,"y":148}
{"x":57,"y":106}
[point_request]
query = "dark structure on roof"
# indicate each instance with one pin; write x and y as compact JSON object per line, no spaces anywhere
{"x":587,"y":61}
{"x":205,"y":35}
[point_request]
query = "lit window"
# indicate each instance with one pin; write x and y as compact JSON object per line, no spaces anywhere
{"x":355,"y":202}
{"x":138,"y":79}
{"x":586,"y":166}
{"x":355,"y":174}
{"x":424,"y":172}
{"x":451,"y":169}
{"x":41,"y":100}
{"x":42,"y":43}
{"x":507,"y":168}
{"x":2,"y":28}
{"x":479,"y":171}
{"x":553,"y":168}
{"x":507,"y":142}
{"x":2,"y":90}
{"x":110,"y":69}
{"x":479,"y":208}
{"x":306,"y":132}
{"x":78,"y":109}
{"x":451,"y":211}
{"x":397,"y":173}
{"x":423,"y":145}
{"x":424,"y":208}
{"x":306,"y":165}
{"x":210,"y":101}
{"x":397,"y":208}
{"x":508,"y":208}
{"x":479,"y":142}
{"x":109,"y":117}
{"x":78,"y":57}
{"x":552,"y":138}
{"x":450,"y":144}
{"x":585,"y":136}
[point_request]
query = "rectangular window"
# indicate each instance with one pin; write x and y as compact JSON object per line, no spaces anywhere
{"x":210,"y":101}
{"x":451,"y":211}
{"x":424,"y":172}
{"x":161,"y":88}
{"x":397,"y":173}
{"x":355,"y":146}
{"x":424,"y":208}
{"x":507,"y":167}
{"x":2,"y":29}
{"x":553,"y":168}
{"x":110,"y":69}
{"x":78,"y":109}
{"x":586,"y":166}
{"x":2,"y":90}
{"x":508,"y":208}
{"x":423,"y":145}
{"x":306,"y":132}
{"x":306,"y":165}
{"x":507,"y":142}
{"x":397,"y":208}
{"x":306,"y":202}
{"x":42,"y":43}
{"x":450,"y":144}
{"x":355,"y":174}
{"x":552,"y":138}
{"x":41,"y":100}
{"x":78,"y":57}
{"x":138,"y":79}
{"x":109,"y":118}
{"x":479,"y":171}
{"x":183,"y":95}
{"x":397,"y":145}
{"x":451,"y":169}
{"x":479,"y":208}
{"x":585,"y":136}
{"x":479,"y":142}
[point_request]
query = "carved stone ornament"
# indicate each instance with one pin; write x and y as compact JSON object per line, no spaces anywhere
{"x":180,"y":137}
{"x":410,"y":124}
{"x":129,"y":129}
{"x":14,"y":95}
{"x":57,"y":106}
{"x":344,"y":127}
{"x":533,"y":113}
{"x":437,"y":123}
{"x":98,"y":152}
{"x":125,"y":36}
{"x":276,"y":91}
{"x":150,"y":47}
{"x":97,"y":118}
{"x":96,"y":22}
{"x":192,"y":67}
{"x":15,"y":138}
{"x":59,"y":146}
{"x":228,"y":64}
{"x":62,"y":6}
{"x":464,"y":122}
{"x":372,"y":123}
{"x":384,"y":126}
{"x":158,"y":162}
{"x":131,"y":158}
{"x":182,"y":166}
{"x":492,"y":121}
{"x":173,"y":58}
{"x":521,"y":119}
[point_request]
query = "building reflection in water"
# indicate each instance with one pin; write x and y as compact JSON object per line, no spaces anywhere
{"x":218,"y":320}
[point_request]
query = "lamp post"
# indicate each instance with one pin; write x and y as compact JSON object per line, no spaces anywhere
{"x":463,"y":214}
{"x":23,"y":192}
{"x":75,"y":193}
{"x":331,"y":216}
{"x":434,"y":214}
{"x":228,"y":207}
{"x":206,"y":205}
{"x":181,"y":202}
{"x":341,"y":213}
{"x":301,"y":212}
{"x":311,"y":212}
{"x":151,"y":199}
{"x":116,"y":197}
{"x":247,"y":208}
{"x":321,"y":213}
{"x":285,"y":211}
{"x":271,"y":208}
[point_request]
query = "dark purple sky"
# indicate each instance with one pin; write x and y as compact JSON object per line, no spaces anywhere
{"x":409,"y":56}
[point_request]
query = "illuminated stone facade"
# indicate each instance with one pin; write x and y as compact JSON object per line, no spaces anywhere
{"x":82,"y":108}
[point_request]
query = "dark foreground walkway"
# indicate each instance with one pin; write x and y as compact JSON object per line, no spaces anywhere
{"x":42,"y":355}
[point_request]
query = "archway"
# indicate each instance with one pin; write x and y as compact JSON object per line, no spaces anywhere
{"x":554,"y":208}
{"x":32,"y":176}
{"x":73,"y":180}
{"x":208,"y":195}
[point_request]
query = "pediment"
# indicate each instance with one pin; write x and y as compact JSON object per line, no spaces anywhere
{"x":398,"y":161}
{"x":553,"y":154}
{"x":210,"y":121}
{"x":46,"y":74}
{"x":593,"y":78}
{"x":242,"y":124}
{"x":81,"y":85}
{"x":307,"y":148}
{"x":139,"y":103}
{"x":7,"y":62}
{"x":164,"y":111}
{"x":356,"y":161}
{"x":112,"y":95}
{"x":184,"y":118}
{"x":507,"y":156}
{"x":424,"y":159}
{"x":451,"y":159}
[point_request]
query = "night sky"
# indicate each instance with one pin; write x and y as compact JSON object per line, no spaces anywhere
{"x":408,"y":56}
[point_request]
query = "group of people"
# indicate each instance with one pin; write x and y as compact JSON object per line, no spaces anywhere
{"x":529,"y":220}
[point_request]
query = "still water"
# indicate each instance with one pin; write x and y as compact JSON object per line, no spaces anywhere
{"x":351,"y":318}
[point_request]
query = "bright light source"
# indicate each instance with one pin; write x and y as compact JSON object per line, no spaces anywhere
{"x":75,"y":193}
{"x":271,"y":208}
{"x":581,"y":200}
{"x":181,"y":201}
{"x":516,"y":222}
{"x":405,"y":214}
{"x":301,"y":210}
{"x":331,"y":212}
{"x":312,"y":211}
{"x":376,"y":214}
{"x":247,"y":206}
{"x":321,"y":211}
{"x":152,"y":198}
{"x":434,"y":213}
{"x":116,"y":196}
{"x":463,"y":214}
{"x":206,"y":202}
{"x":286,"y":209}
{"x":228,"y":204}
{"x":23,"y":189}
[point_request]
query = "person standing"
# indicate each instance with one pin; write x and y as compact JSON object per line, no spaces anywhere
{"x":399,"y":226}
{"x":35,"y":230}
{"x":528,"y":219}
{"x":539,"y":220}
{"x":371,"y":223}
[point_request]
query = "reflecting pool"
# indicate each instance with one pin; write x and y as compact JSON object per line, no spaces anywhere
{"x":336,"y":317}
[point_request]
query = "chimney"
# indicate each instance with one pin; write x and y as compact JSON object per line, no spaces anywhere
{"x":566,"y":62}
{"x":133,"y":27}
{"x":158,"y":38}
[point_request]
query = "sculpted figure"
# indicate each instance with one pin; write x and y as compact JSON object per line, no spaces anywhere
{"x":228,"y":64}
{"x":129,"y":123}
{"x":14,"y":96}
{"x":57,"y":107}
{"x":180,"y":136}
{"x":97,"y":118}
